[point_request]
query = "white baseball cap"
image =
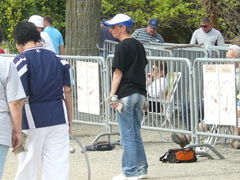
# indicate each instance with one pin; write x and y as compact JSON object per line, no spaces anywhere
{"x":37,"y":20}
{"x":122,"y":19}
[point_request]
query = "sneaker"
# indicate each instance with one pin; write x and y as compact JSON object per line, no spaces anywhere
{"x":236,"y":144}
{"x":180,"y":139}
{"x":144,"y":176}
{"x":122,"y":177}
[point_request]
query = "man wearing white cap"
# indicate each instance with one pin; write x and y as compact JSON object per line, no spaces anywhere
{"x":148,"y":35}
{"x":129,"y":86}
{"x":46,"y":41}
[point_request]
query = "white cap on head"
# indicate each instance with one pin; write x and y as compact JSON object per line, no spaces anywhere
{"x":37,"y":20}
{"x":122,"y":19}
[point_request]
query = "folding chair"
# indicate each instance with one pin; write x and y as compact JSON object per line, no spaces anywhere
{"x":168,"y":104}
{"x":168,"y":107}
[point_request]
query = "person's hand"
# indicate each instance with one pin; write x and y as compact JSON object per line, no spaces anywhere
{"x":146,"y":106}
{"x":118,"y":105}
{"x":149,"y":75}
{"x":16,"y":140}
{"x":70,"y":129}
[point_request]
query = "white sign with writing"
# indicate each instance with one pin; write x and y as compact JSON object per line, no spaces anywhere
{"x":88,"y":87}
{"x":219,"y":94}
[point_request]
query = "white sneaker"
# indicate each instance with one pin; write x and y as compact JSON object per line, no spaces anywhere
{"x":144,"y":176}
{"x":122,"y":177}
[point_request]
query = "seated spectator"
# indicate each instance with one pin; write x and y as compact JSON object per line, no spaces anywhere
{"x":148,"y":35}
{"x":234,"y":53}
{"x":157,"y":85}
{"x":183,"y":139}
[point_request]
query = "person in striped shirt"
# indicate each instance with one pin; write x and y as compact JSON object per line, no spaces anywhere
{"x":148,"y":35}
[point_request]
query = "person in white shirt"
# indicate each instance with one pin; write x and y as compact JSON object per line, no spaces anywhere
{"x":46,"y":41}
{"x":207,"y":35}
{"x":157,"y":85}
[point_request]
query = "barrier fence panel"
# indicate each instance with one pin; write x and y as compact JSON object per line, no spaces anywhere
{"x":85,"y":117}
{"x":179,"y":108}
{"x":158,"y":51}
{"x":81,"y":117}
{"x":217,"y":51}
{"x":108,"y":47}
{"x":166,"y":111}
{"x":190,"y":53}
{"x":215,"y":99}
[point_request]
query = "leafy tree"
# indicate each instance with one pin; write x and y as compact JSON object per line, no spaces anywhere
{"x":82,"y":27}
{"x":13,"y":11}
{"x":179,"y":18}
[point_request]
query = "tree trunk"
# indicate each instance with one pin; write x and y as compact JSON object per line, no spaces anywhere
{"x":211,"y":11}
{"x":82,"y":27}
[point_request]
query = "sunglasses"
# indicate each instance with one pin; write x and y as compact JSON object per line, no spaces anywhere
{"x":204,"y":26}
{"x":113,"y":26}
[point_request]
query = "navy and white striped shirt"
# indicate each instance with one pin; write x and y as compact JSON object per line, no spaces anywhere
{"x":43,"y":76}
{"x":145,"y":38}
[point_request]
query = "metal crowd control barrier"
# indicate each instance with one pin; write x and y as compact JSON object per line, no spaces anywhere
{"x":217,"y":51}
{"x":184,"y":92}
{"x":158,"y":51}
{"x":79,"y":116}
{"x":169,"y":119}
{"x":216,"y":131}
{"x":108,"y":47}
{"x":86,"y":117}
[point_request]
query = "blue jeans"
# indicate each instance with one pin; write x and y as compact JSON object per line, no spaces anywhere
{"x":3,"y":155}
{"x":134,"y":161}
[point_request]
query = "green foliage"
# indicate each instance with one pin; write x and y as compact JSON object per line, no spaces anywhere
{"x":13,"y":11}
{"x":178,"y":18}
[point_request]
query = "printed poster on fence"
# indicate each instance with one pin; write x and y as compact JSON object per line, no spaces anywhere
{"x":88,"y":87}
{"x":219,"y":94}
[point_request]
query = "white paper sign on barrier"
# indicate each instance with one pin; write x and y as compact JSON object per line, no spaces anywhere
{"x":219,"y":94}
{"x":88,"y":87}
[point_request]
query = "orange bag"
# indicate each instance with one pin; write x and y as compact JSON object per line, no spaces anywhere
{"x":179,"y":155}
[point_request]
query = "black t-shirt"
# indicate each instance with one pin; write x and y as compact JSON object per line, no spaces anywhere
{"x":130,"y":58}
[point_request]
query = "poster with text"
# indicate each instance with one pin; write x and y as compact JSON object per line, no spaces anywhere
{"x":211,"y":94}
{"x":227,"y":94}
{"x":219,"y":94}
{"x":88,"y":87}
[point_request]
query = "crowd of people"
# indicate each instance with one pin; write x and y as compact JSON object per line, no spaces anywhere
{"x":41,"y":108}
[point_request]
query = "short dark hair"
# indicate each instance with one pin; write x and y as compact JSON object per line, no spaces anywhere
{"x":48,"y":19}
{"x":1,"y":35}
{"x":26,"y":31}
{"x":205,"y":20}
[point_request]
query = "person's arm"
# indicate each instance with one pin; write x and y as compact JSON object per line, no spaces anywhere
{"x":117,"y":76}
{"x":194,"y":38}
{"x":68,"y":102}
{"x":220,"y":40}
{"x":15,"y":108}
{"x":61,"y":50}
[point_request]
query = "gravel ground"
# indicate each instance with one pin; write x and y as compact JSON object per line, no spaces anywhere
{"x":105,"y":164}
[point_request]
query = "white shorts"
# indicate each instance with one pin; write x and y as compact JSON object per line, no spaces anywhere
{"x":49,"y":145}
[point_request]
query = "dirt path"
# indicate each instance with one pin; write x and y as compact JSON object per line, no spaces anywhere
{"x":104,"y":165}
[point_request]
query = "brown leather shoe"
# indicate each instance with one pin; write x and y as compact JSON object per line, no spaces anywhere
{"x":235,"y":144}
{"x":180,"y":139}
